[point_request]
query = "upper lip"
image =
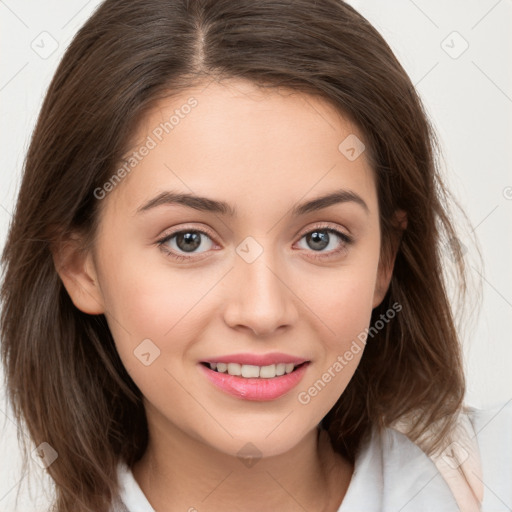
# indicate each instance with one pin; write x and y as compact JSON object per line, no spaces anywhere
{"x":257,"y":359}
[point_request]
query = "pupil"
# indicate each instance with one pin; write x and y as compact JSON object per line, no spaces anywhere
{"x":319,"y":240}
{"x":191,"y":239}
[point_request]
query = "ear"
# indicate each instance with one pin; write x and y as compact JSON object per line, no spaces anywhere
{"x":77,"y":271}
{"x":386,"y":265}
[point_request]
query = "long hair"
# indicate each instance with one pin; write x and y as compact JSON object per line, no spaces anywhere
{"x":65,"y":380}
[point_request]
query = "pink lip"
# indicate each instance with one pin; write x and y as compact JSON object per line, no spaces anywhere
{"x":257,"y":389}
{"x":257,"y":360}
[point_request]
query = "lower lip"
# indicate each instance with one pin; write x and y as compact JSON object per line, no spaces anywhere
{"x":257,"y":389}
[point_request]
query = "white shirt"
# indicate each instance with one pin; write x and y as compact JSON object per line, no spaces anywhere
{"x":392,"y":474}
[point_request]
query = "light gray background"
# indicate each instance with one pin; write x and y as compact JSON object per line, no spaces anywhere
{"x":468,"y":97}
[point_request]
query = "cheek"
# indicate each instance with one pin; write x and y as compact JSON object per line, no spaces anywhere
{"x":147,"y":296}
{"x":345,"y":317}
{"x":154,"y":317}
{"x":151,"y":302}
{"x":343,"y":305}
{"x":342,"y":299}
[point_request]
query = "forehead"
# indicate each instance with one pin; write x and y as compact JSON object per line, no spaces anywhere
{"x":235,"y":141}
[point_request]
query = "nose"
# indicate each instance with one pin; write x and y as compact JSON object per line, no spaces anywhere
{"x":259,"y":298}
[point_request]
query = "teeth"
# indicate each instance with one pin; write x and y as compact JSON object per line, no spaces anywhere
{"x":252,"y":371}
{"x":234,"y":369}
{"x":248,"y":370}
{"x":289,"y":367}
{"x":267,"y":372}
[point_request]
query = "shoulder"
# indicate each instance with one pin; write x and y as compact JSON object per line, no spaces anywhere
{"x":393,"y":473}
{"x":131,"y":498}
{"x":493,"y":434}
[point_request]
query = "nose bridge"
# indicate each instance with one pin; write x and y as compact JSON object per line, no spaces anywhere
{"x":258,"y":298}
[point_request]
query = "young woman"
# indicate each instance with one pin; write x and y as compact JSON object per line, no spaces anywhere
{"x":224,"y":281}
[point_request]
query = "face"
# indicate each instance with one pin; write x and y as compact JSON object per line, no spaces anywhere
{"x":257,"y":268}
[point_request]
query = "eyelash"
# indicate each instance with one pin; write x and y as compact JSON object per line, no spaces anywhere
{"x":346,"y":240}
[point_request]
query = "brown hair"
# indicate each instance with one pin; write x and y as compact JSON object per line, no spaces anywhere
{"x":64,"y":377}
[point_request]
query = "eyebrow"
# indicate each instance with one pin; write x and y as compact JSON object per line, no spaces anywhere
{"x":206,"y":204}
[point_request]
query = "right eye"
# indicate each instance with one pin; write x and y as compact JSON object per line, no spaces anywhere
{"x":185,"y":241}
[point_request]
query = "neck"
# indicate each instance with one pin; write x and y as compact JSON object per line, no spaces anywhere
{"x":178,"y":472}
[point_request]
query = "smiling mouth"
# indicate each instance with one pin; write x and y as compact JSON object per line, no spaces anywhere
{"x":250,"y":371}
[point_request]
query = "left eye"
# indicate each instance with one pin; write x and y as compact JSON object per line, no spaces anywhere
{"x":322,"y":238}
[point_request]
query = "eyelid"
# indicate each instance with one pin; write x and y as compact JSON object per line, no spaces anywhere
{"x":174,"y":231}
{"x":300,"y":234}
{"x":326,"y":225}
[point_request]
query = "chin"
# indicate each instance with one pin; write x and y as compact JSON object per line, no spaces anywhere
{"x":259,"y":443}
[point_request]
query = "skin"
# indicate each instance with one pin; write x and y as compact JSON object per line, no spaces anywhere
{"x":262,"y":152}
